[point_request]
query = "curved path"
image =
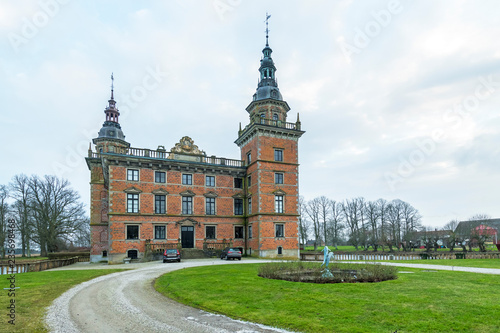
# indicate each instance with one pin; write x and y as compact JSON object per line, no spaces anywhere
{"x":127,"y":302}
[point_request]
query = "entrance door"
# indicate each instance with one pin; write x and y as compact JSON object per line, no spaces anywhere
{"x":187,"y":237}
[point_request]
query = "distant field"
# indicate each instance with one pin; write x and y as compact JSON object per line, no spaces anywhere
{"x":349,"y":248}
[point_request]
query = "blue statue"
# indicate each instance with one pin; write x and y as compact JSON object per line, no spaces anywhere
{"x":327,"y":255}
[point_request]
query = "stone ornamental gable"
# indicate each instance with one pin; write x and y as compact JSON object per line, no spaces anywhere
{"x":186,"y":146}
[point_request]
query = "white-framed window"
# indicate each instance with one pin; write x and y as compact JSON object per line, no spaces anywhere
{"x":132,"y":203}
{"x":187,"y":179}
{"x":278,"y":204}
{"x":278,"y":178}
{"x":238,"y":206}
{"x":160,"y":204}
{"x":210,"y":181}
{"x":238,"y":231}
{"x":250,"y":234}
{"x":160,"y":232}
{"x":187,"y":205}
{"x":160,"y":177}
{"x":210,"y":206}
{"x":249,"y":205}
{"x":279,"y":230}
{"x":133,"y":175}
{"x":278,"y":155}
{"x":132,"y":232}
{"x":210,"y":232}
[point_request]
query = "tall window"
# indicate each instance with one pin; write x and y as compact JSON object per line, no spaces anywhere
{"x":249,"y":205}
{"x":210,"y":180}
{"x":210,"y":231}
{"x":250,"y":235}
{"x":238,"y":206}
{"x":160,"y":177}
{"x":238,"y":231}
{"x":187,"y":205}
{"x":238,"y":183}
{"x":280,"y":230}
{"x":160,"y":204}
{"x":133,"y":174}
{"x":275,"y":116}
{"x":160,"y":232}
{"x":249,"y":157}
{"x":278,"y":155}
{"x":132,"y":232}
{"x":278,"y":178}
{"x":278,"y":203}
{"x":210,"y":206}
{"x":249,"y":180}
{"x":132,"y":203}
{"x":187,"y":179}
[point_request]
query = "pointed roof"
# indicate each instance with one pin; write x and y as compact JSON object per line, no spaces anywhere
{"x":111,"y":128}
{"x":267,"y":86}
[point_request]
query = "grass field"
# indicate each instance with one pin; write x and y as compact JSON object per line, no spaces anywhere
{"x":422,"y":301}
{"x":36,"y":292}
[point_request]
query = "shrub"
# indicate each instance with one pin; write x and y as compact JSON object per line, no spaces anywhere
{"x":298,"y":271}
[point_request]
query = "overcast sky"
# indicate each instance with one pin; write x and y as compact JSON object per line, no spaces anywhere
{"x":399,"y":99}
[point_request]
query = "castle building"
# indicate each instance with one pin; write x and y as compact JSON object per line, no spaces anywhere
{"x":144,"y":200}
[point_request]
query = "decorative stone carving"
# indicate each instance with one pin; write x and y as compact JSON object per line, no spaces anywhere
{"x":187,"y":193}
{"x":132,"y":190}
{"x":211,"y":194}
{"x":186,"y":146}
{"x":279,"y":192}
{"x":160,"y":191}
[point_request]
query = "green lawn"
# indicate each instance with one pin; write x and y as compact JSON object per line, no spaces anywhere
{"x":423,"y":301}
{"x":36,"y":293}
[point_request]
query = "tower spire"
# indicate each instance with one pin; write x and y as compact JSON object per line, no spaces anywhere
{"x":267,"y":28}
{"x":112,"y":85}
{"x":267,"y":85}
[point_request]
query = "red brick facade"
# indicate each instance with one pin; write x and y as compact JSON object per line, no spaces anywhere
{"x":185,"y":198}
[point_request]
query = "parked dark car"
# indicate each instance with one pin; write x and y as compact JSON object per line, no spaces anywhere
{"x":231,"y":253}
{"x":171,"y":255}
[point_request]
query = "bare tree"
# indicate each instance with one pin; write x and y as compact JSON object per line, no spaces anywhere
{"x":382,"y":206}
{"x":21,"y":192}
{"x":336,"y":224}
{"x":453,"y":238}
{"x":4,"y":212}
{"x":303,"y":222}
{"x":411,"y":223}
{"x":312,"y":209}
{"x":353,"y":214}
{"x":395,"y":219}
{"x":324,"y":215}
{"x":57,"y":210}
{"x":372,"y":211}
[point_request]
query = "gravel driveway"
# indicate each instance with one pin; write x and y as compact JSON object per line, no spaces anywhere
{"x":127,"y":302}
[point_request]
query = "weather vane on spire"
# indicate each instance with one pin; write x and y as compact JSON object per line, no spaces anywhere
{"x":112,"y":84}
{"x":267,"y":28}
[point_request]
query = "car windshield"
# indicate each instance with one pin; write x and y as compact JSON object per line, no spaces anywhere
{"x":236,"y":250}
{"x":171,"y":251}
